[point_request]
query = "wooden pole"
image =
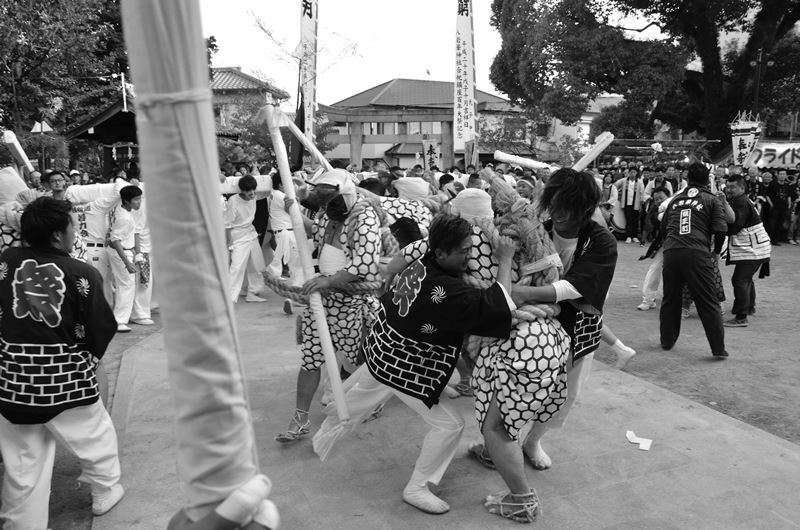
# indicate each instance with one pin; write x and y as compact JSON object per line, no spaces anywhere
{"x":308,"y":144}
{"x":315,"y":299}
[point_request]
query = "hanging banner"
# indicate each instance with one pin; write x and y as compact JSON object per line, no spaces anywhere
{"x":775,"y":154}
{"x":464,"y":85}
{"x":431,"y":154}
{"x":745,"y":133}
{"x":308,"y":62}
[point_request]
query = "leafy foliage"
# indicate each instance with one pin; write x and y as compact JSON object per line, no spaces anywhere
{"x":626,"y":119}
{"x":559,"y":54}
{"x":254,"y":144}
{"x":56,"y":58}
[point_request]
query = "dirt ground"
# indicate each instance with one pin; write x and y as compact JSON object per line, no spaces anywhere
{"x":758,"y":383}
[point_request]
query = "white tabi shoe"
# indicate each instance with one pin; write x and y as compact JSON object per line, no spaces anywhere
{"x":103,"y":502}
{"x":254,"y":299}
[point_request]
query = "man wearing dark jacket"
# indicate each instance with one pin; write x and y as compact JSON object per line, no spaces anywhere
{"x":691,"y":220}
{"x":748,"y":248}
{"x":55,"y":325}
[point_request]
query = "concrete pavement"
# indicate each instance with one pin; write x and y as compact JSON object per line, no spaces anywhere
{"x":705,"y":469}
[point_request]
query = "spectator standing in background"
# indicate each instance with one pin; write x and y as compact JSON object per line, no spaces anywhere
{"x":631,"y":198}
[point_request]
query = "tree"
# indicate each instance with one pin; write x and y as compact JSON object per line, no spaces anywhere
{"x":625,"y":119}
{"x":56,"y":59}
{"x":559,"y":54}
{"x":512,"y":135}
{"x":254,"y":142}
{"x":780,"y":89}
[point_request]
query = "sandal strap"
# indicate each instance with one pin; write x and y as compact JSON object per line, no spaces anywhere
{"x":526,"y":509}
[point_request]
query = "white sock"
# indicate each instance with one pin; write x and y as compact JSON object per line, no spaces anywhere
{"x":624,"y":354}
{"x":241,"y":505}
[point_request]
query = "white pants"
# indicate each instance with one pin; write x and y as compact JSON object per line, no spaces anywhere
{"x":246,"y":257}
{"x":98,"y":258}
{"x":652,"y":280}
{"x":29,"y":452}
{"x":142,"y":295}
{"x":124,"y":285}
{"x":286,"y":252}
{"x":364,"y":393}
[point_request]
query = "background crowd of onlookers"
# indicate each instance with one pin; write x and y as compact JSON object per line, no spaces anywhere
{"x":630,"y":190}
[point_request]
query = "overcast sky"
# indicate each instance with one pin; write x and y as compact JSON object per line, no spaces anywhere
{"x":362,"y":42}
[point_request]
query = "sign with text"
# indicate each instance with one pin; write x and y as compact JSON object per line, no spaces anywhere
{"x":431,"y":154}
{"x":308,"y":62}
{"x":464,"y":85}
{"x":745,"y":134}
{"x":775,"y":154}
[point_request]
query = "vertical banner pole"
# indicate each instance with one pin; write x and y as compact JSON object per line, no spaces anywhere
{"x":464,"y":102}
{"x":309,"y":20}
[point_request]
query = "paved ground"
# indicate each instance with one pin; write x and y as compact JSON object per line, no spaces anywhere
{"x":70,"y":501}
{"x":705,"y":469}
{"x":758,"y":383}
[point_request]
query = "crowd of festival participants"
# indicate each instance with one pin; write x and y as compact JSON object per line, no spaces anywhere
{"x":494,"y":282}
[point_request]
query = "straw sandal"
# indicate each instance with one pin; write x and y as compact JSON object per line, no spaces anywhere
{"x":299,"y":430}
{"x":520,"y":508}
{"x":481,"y":454}
{"x":464,"y":389}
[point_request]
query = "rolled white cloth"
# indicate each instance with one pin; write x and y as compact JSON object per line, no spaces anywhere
{"x":412,"y":188}
{"x":472,"y":204}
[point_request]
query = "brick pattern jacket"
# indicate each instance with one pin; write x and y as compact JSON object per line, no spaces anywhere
{"x":55,"y":325}
{"x":415,"y":343}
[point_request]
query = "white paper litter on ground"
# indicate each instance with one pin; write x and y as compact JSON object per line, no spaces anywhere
{"x":644,"y":443}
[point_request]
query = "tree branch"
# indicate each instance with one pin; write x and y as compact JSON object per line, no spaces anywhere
{"x":787,"y":23}
{"x":656,"y":24}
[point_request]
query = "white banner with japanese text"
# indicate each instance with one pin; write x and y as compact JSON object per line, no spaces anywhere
{"x":464,"y":86}
{"x":745,"y":133}
{"x":308,"y":62}
{"x":775,"y":153}
{"x":431,"y":154}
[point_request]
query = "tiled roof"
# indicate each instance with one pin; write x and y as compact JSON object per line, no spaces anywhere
{"x":232,"y":78}
{"x":411,"y":93}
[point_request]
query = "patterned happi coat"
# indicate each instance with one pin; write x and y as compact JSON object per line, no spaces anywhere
{"x":348,"y":315}
{"x":416,"y":340}
{"x":414,"y":210}
{"x":55,"y":325}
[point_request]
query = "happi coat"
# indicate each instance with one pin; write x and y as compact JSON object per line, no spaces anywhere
{"x":416,"y":340}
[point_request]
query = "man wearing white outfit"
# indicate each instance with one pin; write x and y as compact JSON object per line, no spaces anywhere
{"x":97,"y":214}
{"x":246,"y":254}
{"x":285,"y":243}
{"x":55,"y":328}
{"x":140,"y":314}
{"x":122,"y":250}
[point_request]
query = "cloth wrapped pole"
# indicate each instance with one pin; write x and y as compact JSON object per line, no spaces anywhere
{"x":600,"y":145}
{"x":315,"y":299}
{"x":215,"y":442}
{"x":231,"y":184}
{"x":10,"y":185}
{"x":520,"y":161}
{"x":10,"y":139}
{"x":284,"y":121}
